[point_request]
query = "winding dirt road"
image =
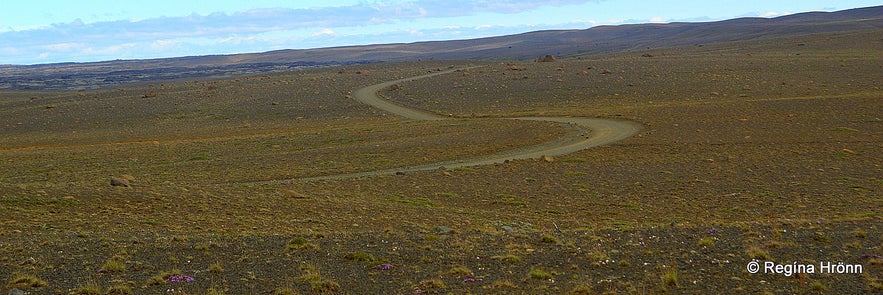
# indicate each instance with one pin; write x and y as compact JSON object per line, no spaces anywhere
{"x":585,"y":133}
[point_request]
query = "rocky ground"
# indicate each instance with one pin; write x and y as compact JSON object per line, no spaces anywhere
{"x":756,"y":151}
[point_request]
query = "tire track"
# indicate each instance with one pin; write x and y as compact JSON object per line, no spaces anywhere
{"x":585,"y":133}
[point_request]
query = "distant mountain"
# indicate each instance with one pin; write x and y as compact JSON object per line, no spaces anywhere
{"x":596,"y":40}
{"x":600,"y":39}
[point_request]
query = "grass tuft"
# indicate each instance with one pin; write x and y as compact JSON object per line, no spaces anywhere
{"x":91,"y":288}
{"x":216,"y":268}
{"x":670,"y":277}
{"x":432,"y":284}
{"x":360,"y":256}
{"x":582,"y":289}
{"x":26,"y":280}
{"x":540,"y":274}
{"x":300,"y":243}
{"x":818,"y":286}
{"x":286,"y":291}
{"x":755,"y":252}
{"x":503,"y":285}
{"x":317,"y":283}
{"x":511,"y":258}
{"x":119,"y":290}
{"x":706,"y":242}
{"x":114,"y":265}
{"x":160,"y":279}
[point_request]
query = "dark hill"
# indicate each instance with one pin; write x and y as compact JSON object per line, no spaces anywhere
{"x":596,"y":40}
{"x":601,"y":39}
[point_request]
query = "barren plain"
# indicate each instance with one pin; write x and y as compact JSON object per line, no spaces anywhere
{"x":765,"y":150}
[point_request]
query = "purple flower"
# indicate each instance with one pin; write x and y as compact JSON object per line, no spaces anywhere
{"x":179,"y":279}
{"x":383,"y":266}
{"x":712,"y":231}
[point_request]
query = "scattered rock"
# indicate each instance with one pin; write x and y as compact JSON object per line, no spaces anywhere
{"x":605,"y":72}
{"x":582,"y":73}
{"x":443,"y":230}
{"x":546,"y":58}
{"x":341,"y":71}
{"x":548,"y":159}
{"x":118,"y":181}
{"x":394,"y":87}
{"x":362,"y":72}
{"x":15,"y":291}
{"x":515,"y":68}
{"x":507,"y":228}
{"x":149,"y":94}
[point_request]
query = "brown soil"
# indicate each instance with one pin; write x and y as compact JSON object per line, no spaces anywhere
{"x":749,"y":151}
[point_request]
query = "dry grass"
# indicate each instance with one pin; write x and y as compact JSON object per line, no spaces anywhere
{"x":743,"y":142}
{"x":26,"y":280}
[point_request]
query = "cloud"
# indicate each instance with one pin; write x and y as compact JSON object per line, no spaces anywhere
{"x":61,"y":47}
{"x":324,"y":32}
{"x":163,"y":36}
{"x":774,"y":13}
{"x":767,"y":14}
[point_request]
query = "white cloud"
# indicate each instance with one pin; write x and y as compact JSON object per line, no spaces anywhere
{"x":584,"y":23}
{"x":62,"y":46}
{"x":108,"y":49}
{"x":164,"y":44}
{"x":657,"y":19}
{"x":324,"y":32}
{"x":774,"y":13}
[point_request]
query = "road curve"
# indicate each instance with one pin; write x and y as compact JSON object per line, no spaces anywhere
{"x":585,"y":133}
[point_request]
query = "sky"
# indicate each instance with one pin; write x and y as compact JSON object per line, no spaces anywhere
{"x":36,"y":32}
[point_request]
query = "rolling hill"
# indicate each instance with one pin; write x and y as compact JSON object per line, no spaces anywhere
{"x":596,"y":40}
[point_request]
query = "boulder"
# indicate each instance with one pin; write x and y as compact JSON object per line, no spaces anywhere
{"x":117,"y":181}
{"x":546,"y":58}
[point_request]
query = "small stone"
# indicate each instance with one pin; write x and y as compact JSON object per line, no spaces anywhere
{"x":15,"y":291}
{"x":117,"y":181}
{"x":507,"y":228}
{"x":548,"y":159}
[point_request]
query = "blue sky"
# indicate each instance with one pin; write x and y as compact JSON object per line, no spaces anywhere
{"x":37,"y":31}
